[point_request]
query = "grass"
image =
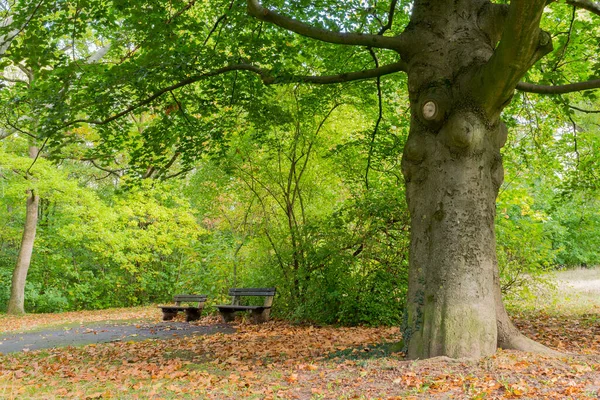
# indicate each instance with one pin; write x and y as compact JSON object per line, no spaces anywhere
{"x":573,"y":292}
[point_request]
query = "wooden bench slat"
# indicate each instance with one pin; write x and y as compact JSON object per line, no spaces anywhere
{"x":252,"y":292}
{"x":178,"y":307}
{"x":188,"y":297}
{"x":241,"y":308}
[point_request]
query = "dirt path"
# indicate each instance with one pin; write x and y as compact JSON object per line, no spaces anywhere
{"x":581,"y":279}
{"x":103,"y":333}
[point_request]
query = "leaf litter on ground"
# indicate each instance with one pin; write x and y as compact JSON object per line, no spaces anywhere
{"x":279,"y":360}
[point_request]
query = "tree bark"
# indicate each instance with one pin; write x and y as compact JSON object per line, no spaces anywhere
{"x":452,"y":180}
{"x":16,"y":303}
{"x":453,"y":170}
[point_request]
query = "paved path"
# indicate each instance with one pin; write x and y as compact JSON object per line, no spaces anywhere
{"x":103,"y":333}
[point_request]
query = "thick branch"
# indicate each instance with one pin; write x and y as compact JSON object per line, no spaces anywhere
{"x":266,"y":77}
{"x":344,"y":77}
{"x":560,"y":89}
{"x":586,"y":5}
{"x":301,"y":28}
{"x":521,"y":45}
{"x":491,"y":19}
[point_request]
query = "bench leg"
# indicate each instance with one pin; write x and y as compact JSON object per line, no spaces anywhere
{"x":260,"y":316}
{"x":192,"y":314}
{"x":227,"y":315}
{"x":168,"y":314}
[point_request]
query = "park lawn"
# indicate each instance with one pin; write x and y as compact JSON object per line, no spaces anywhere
{"x":279,"y":360}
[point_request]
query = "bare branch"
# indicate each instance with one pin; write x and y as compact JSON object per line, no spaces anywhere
{"x":521,"y":45}
{"x":301,"y":28}
{"x":7,"y":39}
{"x":560,"y":89}
{"x":17,"y":129}
{"x":177,"y":85}
{"x":586,"y":5}
{"x":175,"y":175}
{"x":37,"y":155}
{"x":561,"y":53}
{"x":264,"y":75}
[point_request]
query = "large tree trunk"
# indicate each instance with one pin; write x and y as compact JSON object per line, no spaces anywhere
{"x":16,"y":303}
{"x":453,"y":170}
{"x":451,"y":193}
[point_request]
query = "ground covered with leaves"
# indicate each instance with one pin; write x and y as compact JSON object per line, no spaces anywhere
{"x":279,"y":360}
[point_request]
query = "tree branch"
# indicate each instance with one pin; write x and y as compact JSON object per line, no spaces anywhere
{"x":217,"y":22}
{"x":390,"y":20}
{"x":110,"y":171}
{"x":37,"y":155}
{"x":586,"y":5}
{"x":266,"y":77}
{"x":379,"y":118}
{"x":178,"y":13}
{"x":175,"y":175}
{"x":7,"y":39}
{"x":521,"y":45}
{"x":344,"y":77}
{"x":560,"y":89}
{"x":345,"y":38}
{"x":583,"y":110}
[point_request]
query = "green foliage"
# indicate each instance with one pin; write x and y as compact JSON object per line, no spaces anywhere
{"x":95,"y":253}
{"x":280,"y":212}
{"x":289,"y":186}
{"x":5,"y":279}
{"x":524,"y":244}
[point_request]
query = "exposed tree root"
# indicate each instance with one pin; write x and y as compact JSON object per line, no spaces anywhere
{"x":518,"y":341}
{"x":509,"y":337}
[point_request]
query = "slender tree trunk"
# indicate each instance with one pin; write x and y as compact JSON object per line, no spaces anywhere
{"x":16,"y":304}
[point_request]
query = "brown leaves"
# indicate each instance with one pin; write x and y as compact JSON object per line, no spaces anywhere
{"x":282,"y":361}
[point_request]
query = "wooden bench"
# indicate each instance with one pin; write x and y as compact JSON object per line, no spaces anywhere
{"x":192,"y":313}
{"x":259,"y":313}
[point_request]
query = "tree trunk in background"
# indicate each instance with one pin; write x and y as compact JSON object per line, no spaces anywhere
{"x":16,"y":303}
